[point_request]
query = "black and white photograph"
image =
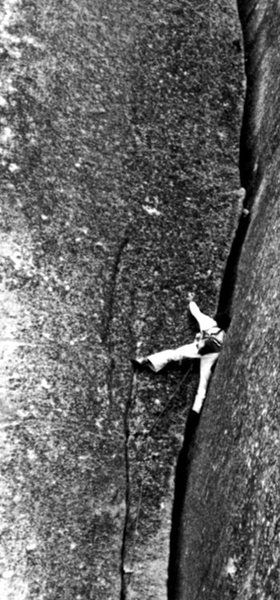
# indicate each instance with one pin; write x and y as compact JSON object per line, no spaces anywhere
{"x":139,"y":299}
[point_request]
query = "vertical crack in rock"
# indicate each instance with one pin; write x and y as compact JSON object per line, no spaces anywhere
{"x":108,"y":311}
{"x":124,"y":571}
{"x":181,"y":483}
{"x":107,"y":340}
{"x":230,"y":273}
{"x":110,"y":292}
{"x":125,"y":568}
{"x":250,"y":167}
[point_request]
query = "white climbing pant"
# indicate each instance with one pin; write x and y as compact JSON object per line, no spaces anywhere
{"x":159,"y":360}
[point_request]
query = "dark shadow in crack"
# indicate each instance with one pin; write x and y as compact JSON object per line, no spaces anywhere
{"x":181,"y":483}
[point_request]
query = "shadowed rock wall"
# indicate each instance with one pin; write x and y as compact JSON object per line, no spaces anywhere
{"x":230,"y":545}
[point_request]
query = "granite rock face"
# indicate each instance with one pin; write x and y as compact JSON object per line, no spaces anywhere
{"x":230,"y":543}
{"x":119,"y":131}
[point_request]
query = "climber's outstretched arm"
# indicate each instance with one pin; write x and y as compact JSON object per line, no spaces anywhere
{"x":204,"y":322}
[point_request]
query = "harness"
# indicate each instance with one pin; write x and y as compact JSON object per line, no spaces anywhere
{"x":212,"y":340}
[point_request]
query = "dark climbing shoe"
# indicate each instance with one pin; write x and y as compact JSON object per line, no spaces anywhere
{"x":140,"y":364}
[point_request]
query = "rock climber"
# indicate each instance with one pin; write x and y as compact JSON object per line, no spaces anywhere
{"x":205,"y":347}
